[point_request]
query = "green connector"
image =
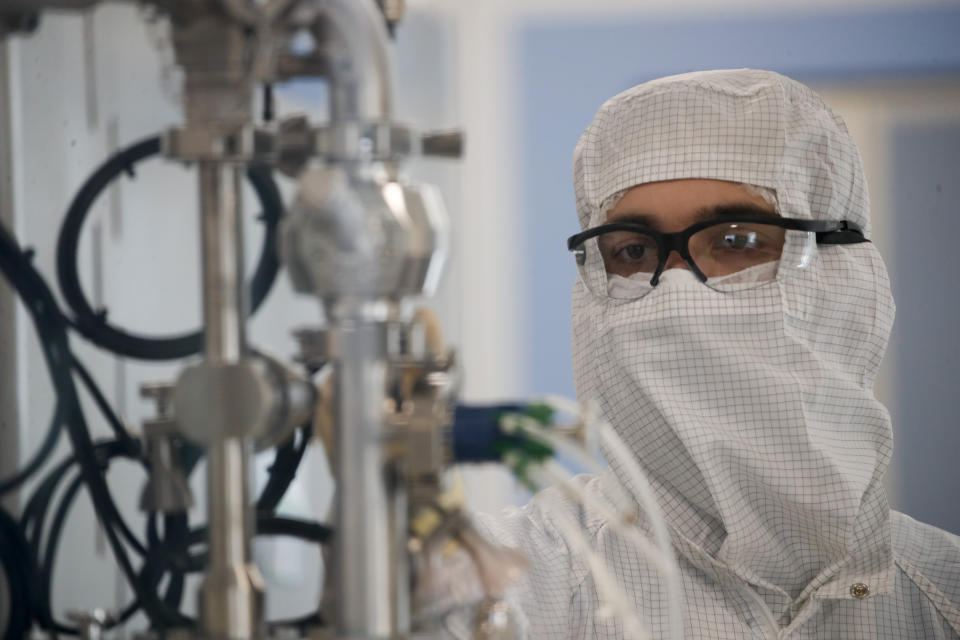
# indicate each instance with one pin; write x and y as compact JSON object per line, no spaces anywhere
{"x":519,"y":452}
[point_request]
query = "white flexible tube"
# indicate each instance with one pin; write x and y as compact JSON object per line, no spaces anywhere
{"x":578,"y":452}
{"x":629,"y":531}
{"x":618,"y":449}
{"x":570,"y":448}
{"x":609,"y":592}
{"x":517,"y":421}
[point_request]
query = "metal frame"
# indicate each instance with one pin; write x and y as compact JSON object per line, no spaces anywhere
{"x":9,"y":406}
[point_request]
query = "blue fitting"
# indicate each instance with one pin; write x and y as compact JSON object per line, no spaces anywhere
{"x":476,"y":431}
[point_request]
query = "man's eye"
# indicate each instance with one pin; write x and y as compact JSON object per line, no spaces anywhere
{"x":633,"y":252}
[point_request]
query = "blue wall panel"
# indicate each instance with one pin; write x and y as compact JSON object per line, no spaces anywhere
{"x":926,"y":232}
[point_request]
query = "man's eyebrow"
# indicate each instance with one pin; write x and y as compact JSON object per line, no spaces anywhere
{"x":726,"y":210}
{"x":736,"y":209}
{"x":645,"y":219}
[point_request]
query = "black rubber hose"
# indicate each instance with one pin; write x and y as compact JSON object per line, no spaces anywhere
{"x":293,"y":527}
{"x":284,"y":469}
{"x":113,"y":420}
{"x":17,"y":569}
{"x":34,"y":514}
{"x":39,"y":458}
{"x":175,"y":529}
{"x":174,"y":555}
{"x":43,"y":609}
{"x":32,"y":527}
{"x":301,"y":625}
{"x":45,"y":612}
{"x":177,"y":555}
{"x":51,"y":326}
{"x":92,"y":324}
{"x":52,"y":329}
{"x":270,"y":525}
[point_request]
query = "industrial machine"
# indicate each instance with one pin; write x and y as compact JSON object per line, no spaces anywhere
{"x":374,"y":380}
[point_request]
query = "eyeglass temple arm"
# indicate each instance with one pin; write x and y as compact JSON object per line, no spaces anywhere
{"x":846,"y":234}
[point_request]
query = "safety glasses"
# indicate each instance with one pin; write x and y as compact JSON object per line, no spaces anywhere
{"x":625,"y":260}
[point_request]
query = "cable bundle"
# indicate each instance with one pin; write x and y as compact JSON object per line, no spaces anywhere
{"x":530,"y":441}
{"x":28,"y":548}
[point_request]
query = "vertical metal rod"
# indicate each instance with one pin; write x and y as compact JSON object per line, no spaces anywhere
{"x":368,"y":549}
{"x":224,"y":310}
{"x":232,"y":594}
{"x":9,"y":406}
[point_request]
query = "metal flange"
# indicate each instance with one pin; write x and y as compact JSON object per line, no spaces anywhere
{"x":243,"y":145}
{"x":217,"y":401}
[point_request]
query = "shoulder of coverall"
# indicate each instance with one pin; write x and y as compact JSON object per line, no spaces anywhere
{"x":534,"y":530}
{"x":930,"y":557}
{"x":784,"y":134}
{"x":604,"y":495}
{"x":536,"y":520}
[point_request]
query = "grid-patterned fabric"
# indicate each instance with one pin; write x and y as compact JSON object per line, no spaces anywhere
{"x":556,"y":598}
{"x":752,"y":413}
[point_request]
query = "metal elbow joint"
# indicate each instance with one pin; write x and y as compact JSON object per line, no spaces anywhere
{"x":356,"y":45}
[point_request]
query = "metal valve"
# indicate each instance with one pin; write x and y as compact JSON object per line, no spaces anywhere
{"x":167,"y":490}
{"x":91,"y":624}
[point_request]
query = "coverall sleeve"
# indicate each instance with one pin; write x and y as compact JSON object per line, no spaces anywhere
{"x":542,"y":597}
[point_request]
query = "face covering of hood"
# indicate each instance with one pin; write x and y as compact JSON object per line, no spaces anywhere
{"x":752,"y":412}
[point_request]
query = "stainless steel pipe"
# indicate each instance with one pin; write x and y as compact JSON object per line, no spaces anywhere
{"x":369,"y":586}
{"x":369,"y":573}
{"x":360,"y":64}
{"x":224,"y":308}
{"x":231,"y":598}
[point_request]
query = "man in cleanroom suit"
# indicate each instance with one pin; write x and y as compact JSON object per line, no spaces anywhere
{"x":728,"y":322}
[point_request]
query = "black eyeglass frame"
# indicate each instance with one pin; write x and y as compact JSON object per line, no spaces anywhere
{"x":828,"y":232}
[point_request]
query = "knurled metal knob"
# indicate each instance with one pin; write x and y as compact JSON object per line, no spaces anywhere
{"x":445,"y":144}
{"x":159,"y":392}
{"x":91,"y":623}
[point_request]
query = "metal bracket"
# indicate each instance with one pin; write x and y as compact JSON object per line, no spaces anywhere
{"x":244,"y":145}
{"x":167,"y":490}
